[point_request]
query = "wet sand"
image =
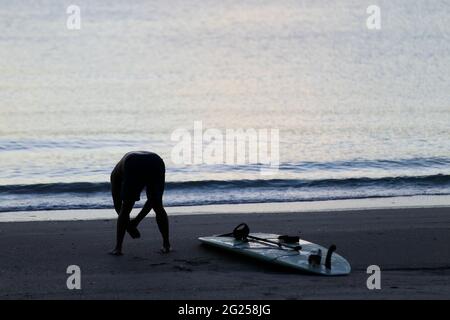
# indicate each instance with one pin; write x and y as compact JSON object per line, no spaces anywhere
{"x":411,"y":246}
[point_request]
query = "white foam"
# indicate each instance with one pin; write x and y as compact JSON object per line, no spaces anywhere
{"x":281,"y":207}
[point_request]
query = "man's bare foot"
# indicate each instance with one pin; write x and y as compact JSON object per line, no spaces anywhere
{"x":165,"y":249}
{"x":116,"y":252}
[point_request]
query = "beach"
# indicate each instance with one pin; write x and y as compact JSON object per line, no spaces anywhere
{"x":410,"y":245}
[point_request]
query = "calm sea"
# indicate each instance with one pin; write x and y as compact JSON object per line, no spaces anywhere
{"x":361,"y":113}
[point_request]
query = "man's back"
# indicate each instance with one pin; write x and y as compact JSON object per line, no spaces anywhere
{"x":136,"y":164}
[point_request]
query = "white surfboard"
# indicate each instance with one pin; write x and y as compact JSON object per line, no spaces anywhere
{"x":286,"y":255}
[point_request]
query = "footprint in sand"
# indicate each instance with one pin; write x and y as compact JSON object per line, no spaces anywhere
{"x":194,"y":262}
{"x":158,"y":264}
{"x":182,"y":268}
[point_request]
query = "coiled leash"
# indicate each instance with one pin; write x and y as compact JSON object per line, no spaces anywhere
{"x":242,"y":233}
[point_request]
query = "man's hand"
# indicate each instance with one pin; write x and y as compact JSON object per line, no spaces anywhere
{"x":132,"y":230}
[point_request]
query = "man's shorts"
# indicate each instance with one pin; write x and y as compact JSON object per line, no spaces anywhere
{"x":143,"y":171}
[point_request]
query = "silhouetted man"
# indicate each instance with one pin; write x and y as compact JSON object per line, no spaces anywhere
{"x":134,"y":172}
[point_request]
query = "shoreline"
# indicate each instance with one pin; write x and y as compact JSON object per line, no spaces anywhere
{"x":407,"y":202}
{"x":409,"y":245}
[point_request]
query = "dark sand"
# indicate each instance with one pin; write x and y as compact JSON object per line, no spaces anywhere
{"x":412,"y":247}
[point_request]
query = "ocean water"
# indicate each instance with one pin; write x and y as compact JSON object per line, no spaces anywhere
{"x":361,"y":113}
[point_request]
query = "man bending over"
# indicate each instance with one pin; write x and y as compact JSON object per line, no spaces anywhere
{"x":134,"y":172}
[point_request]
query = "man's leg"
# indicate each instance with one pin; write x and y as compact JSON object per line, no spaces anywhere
{"x":131,"y":228}
{"x":161,"y":218}
{"x":122,"y":224}
{"x":155,"y":191}
{"x":163,"y":224}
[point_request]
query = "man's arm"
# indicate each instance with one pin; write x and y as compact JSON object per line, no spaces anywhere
{"x":143,"y":213}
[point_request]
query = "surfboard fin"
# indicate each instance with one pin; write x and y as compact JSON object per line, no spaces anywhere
{"x":331,"y":249}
